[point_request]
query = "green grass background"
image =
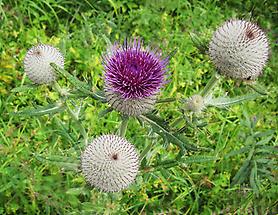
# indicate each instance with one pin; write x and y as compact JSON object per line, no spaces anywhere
{"x":81,"y":29}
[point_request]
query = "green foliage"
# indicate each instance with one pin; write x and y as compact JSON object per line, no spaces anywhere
{"x":234,"y":170}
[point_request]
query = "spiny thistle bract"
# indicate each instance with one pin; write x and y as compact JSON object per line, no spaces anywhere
{"x":133,"y":76}
{"x":239,"y":50}
{"x":37,"y":63}
{"x":110,"y":163}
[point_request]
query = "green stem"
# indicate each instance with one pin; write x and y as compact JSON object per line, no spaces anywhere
{"x":210,"y":85}
{"x":81,"y":86}
{"x":123,"y":126}
{"x":146,"y":150}
{"x":76,"y":119}
{"x":57,"y":87}
{"x":166,"y":100}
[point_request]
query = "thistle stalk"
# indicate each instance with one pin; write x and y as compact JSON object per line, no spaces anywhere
{"x":210,"y":85}
{"x":74,"y":115}
{"x":145,"y":151}
{"x":76,"y":119}
{"x":123,"y":126}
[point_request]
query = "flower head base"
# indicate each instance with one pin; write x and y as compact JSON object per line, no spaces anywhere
{"x":130,"y":107}
{"x":133,"y":74}
{"x":239,"y":49}
{"x":37,"y":63}
{"x":110,"y":163}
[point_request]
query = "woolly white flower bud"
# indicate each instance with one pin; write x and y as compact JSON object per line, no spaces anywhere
{"x":110,"y":163}
{"x":239,"y":49}
{"x":195,"y":103}
{"x":131,"y":107}
{"x":37,"y":63}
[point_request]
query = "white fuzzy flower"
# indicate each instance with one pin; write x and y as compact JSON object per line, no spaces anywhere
{"x":239,"y":49}
{"x":37,"y":63}
{"x":195,"y":103}
{"x":110,"y":163}
{"x":131,"y":107}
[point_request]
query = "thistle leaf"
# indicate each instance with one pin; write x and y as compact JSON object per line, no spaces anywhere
{"x":61,"y":161}
{"x":265,"y":141}
{"x":24,"y":88}
{"x":40,"y":111}
{"x":268,"y":150}
{"x":166,"y":100}
{"x":253,"y":178}
{"x":161,"y":128}
{"x":267,"y":174}
{"x":199,"y":159}
{"x":257,"y":88}
{"x":241,"y":173}
{"x":198,"y":43}
{"x":81,"y":86}
{"x":263,"y":134}
{"x":64,"y":132}
{"x":223,"y":102}
{"x":104,"y":112}
{"x":239,"y":151}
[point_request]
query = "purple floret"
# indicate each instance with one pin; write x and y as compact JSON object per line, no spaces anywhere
{"x":134,"y":72}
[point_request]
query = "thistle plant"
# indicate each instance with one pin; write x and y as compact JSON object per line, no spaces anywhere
{"x":134,"y":75}
{"x":239,"y":50}
{"x":110,"y":163}
{"x":37,"y":63}
{"x":196,"y":103}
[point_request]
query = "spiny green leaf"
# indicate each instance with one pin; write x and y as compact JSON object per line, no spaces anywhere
{"x":267,"y":149}
{"x":102,"y":113}
{"x":241,"y":173}
{"x":266,"y":173}
{"x":253,"y":178}
{"x":257,"y":88}
{"x":199,"y":159}
{"x":82,"y":86}
{"x":161,"y":128}
{"x":166,"y":100}
{"x":61,"y":161}
{"x":265,"y":141}
{"x":63,"y":131}
{"x":23,"y":88}
{"x":198,"y":43}
{"x":222,"y":102}
{"x":265,"y":161}
{"x":239,"y":151}
{"x":263,"y":134}
{"x":40,"y":111}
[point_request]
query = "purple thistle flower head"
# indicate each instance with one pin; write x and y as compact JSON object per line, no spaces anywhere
{"x":134,"y":72}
